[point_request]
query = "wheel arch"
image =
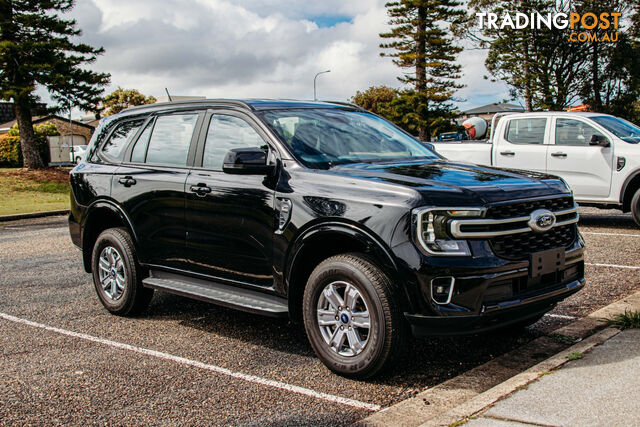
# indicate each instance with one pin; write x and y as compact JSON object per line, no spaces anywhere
{"x":102,"y":215}
{"x":629,"y":188}
{"x":323,"y":241}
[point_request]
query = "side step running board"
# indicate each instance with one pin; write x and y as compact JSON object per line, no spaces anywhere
{"x":217,"y":293}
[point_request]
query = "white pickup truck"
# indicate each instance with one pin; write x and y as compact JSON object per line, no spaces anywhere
{"x":596,"y":154}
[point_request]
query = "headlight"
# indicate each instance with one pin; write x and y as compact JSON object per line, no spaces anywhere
{"x":431,"y":230}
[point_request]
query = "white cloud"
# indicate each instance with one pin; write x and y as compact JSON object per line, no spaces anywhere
{"x":251,"y":48}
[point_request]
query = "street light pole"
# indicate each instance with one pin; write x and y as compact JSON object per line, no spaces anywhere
{"x":315,"y":97}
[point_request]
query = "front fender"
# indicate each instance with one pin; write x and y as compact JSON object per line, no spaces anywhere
{"x":346,"y":229}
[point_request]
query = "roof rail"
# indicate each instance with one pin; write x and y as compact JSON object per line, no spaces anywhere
{"x":235,"y":102}
{"x":346,"y":104}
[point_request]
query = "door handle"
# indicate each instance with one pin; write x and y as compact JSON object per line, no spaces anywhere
{"x":559,"y":154}
{"x":127,"y":181}
{"x":507,"y":153}
{"x":201,"y":190}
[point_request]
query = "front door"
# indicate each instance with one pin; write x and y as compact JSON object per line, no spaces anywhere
{"x":587,"y":169}
{"x":230,"y":218}
{"x":522,"y":145}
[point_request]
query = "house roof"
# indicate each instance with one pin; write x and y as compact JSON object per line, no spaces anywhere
{"x":42,"y":119}
{"x":494,"y":108}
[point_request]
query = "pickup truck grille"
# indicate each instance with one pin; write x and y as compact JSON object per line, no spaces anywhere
{"x":512,"y":231}
{"x":519,"y":246}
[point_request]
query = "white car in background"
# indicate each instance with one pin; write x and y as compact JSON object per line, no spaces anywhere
{"x":76,"y":153}
{"x":598,"y":155}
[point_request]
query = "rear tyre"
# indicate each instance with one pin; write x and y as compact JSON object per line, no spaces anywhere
{"x":351,"y":317}
{"x":117,"y":275}
{"x":635,"y":207}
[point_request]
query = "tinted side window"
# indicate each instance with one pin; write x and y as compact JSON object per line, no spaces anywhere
{"x":170,"y":140}
{"x":115,"y":146}
{"x":140,"y":149}
{"x":526,"y":131}
{"x":224,"y":134}
{"x":574,"y":132}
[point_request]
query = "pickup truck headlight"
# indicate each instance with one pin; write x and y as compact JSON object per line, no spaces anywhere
{"x":431,"y":230}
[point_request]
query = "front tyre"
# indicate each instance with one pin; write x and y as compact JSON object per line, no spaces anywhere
{"x":351,"y":317}
{"x":116,"y":274}
{"x":635,"y":207}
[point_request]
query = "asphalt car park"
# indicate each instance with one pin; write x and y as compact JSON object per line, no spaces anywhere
{"x":66,"y":360}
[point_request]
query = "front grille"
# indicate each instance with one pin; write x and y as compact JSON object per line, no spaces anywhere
{"x":522,"y":209}
{"x":519,"y":246}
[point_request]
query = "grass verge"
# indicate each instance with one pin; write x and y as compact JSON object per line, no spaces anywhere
{"x":27,"y":191}
{"x":628,"y":320}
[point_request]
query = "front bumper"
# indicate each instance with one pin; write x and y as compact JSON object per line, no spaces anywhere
{"x":492,"y":317}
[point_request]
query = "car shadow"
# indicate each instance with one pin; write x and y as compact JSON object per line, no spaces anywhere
{"x":426,"y":362}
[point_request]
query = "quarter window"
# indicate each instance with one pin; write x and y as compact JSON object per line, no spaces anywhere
{"x":226,"y":133}
{"x":170,"y":139}
{"x":574,"y":132}
{"x":526,"y":131}
{"x":115,"y":146}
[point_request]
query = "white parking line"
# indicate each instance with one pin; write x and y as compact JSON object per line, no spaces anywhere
{"x":609,"y":234}
{"x":560,"y":316}
{"x":201,"y":365}
{"x":628,"y":267}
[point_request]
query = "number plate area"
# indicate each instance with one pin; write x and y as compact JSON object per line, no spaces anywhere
{"x":547,"y":262}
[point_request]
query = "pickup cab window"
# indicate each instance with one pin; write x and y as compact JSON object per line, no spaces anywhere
{"x":574,"y":132}
{"x":526,"y":131}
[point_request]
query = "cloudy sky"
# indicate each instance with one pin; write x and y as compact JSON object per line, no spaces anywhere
{"x":252,"y":48}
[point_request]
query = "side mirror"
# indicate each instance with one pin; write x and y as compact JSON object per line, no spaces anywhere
{"x":599,"y":140}
{"x":247,"y":161}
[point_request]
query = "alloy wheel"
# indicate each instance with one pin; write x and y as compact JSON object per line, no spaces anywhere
{"x":112,"y":273}
{"x":343,"y":318}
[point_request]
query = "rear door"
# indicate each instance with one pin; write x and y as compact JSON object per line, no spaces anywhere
{"x":230,"y":218}
{"x":587,"y":169}
{"x":522,"y":144}
{"x":150,"y":186}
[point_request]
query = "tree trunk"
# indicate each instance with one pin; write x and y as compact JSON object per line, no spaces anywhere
{"x":596,"y":83}
{"x":528,"y":95}
{"x":421,"y":70}
{"x":30,"y":155}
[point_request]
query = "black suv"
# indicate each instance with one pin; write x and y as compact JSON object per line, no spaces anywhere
{"x":322,"y":212}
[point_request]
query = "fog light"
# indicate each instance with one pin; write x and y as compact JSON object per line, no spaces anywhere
{"x":442,"y":290}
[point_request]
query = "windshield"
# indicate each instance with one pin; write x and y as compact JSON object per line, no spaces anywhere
{"x":621,"y":128}
{"x":322,"y":138}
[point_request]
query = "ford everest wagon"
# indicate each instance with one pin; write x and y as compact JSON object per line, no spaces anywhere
{"x":322,"y":212}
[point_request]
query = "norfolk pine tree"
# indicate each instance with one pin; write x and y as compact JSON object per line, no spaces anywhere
{"x":36,"y":48}
{"x":421,"y":43}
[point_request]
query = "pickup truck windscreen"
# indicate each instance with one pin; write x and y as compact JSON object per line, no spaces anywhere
{"x":623,"y":129}
{"x":323,"y":138}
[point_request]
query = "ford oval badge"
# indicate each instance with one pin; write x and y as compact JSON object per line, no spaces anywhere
{"x":542,"y":220}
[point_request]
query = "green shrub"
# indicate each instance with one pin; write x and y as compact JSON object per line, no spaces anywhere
{"x":10,"y":151}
